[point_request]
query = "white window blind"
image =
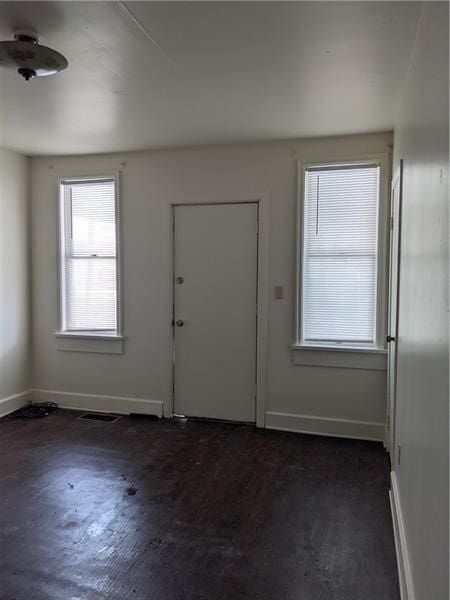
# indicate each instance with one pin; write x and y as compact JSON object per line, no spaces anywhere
{"x":89,"y":255}
{"x":339,"y":267}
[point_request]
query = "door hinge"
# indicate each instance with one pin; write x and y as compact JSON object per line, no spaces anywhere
{"x":392,"y":223}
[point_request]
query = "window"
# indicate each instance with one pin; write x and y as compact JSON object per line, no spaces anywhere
{"x":339,"y":256}
{"x":88,"y":256}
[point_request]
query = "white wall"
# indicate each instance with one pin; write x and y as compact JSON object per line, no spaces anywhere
{"x":149,"y":181}
{"x":421,"y":139}
{"x":14,"y":276}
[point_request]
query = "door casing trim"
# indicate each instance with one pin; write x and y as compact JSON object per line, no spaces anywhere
{"x":390,"y":432}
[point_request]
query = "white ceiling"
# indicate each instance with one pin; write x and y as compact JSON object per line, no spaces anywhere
{"x":214,"y":72}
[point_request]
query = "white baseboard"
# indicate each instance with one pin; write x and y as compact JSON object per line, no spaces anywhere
{"x":360,"y":430}
{"x":12,"y":403}
{"x":111,"y":404}
{"x":401,"y":547}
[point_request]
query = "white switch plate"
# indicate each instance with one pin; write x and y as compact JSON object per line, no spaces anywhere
{"x":278,"y":292}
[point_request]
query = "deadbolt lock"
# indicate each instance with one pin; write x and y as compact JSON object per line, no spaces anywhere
{"x":179,"y":280}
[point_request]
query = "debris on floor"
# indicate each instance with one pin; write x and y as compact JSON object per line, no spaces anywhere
{"x":131,"y":490}
{"x":32,"y":411}
{"x":153,"y":544}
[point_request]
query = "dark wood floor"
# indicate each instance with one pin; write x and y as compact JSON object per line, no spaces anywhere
{"x":162,"y":510}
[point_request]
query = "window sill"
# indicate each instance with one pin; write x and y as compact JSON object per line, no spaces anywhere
{"x":345,"y":358}
{"x":89,"y":342}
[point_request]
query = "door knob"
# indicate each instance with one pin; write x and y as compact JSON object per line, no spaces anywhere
{"x":390,"y":338}
{"x":179,"y":322}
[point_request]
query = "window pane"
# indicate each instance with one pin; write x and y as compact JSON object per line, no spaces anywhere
{"x":90,"y":218}
{"x":340,"y":255}
{"x":91,"y":294}
{"x":340,"y":296}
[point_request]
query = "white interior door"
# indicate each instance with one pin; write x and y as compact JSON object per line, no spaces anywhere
{"x":392,"y":334}
{"x":215,"y":310}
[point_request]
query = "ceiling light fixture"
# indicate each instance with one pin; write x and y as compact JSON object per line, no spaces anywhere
{"x":30,"y":58}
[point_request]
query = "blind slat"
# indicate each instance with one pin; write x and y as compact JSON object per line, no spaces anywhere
{"x":340,"y":254}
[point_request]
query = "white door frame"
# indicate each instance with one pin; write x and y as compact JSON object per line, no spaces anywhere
{"x":262,"y":201}
{"x":390,"y":436}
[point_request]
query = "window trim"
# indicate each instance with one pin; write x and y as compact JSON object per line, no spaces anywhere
{"x":89,"y":335}
{"x":379,"y":347}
